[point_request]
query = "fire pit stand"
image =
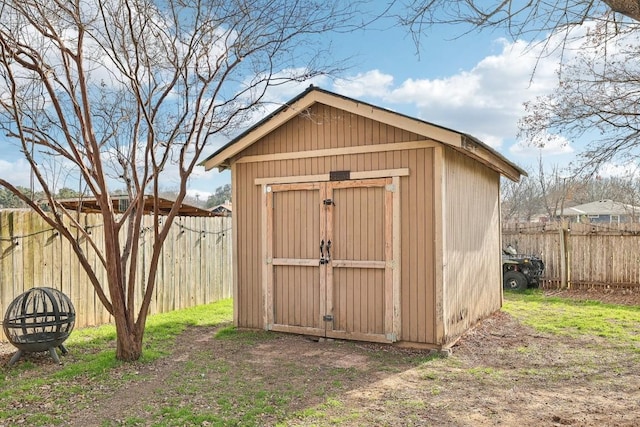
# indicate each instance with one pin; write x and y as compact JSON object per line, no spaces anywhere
{"x":38,"y":320}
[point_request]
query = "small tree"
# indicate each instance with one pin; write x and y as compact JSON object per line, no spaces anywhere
{"x":127,"y":91}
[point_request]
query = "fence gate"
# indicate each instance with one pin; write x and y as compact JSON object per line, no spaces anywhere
{"x":330,"y":259}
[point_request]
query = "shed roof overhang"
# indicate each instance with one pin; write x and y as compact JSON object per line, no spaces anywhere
{"x":461,"y":142}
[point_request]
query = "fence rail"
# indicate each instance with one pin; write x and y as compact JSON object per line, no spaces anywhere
{"x":581,"y":255}
{"x":194,"y":268}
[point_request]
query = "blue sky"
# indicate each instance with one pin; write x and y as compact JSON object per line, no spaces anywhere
{"x":475,"y":83}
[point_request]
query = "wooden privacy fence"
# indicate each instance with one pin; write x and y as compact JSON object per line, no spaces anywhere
{"x":195,"y":266}
{"x":580,"y":255}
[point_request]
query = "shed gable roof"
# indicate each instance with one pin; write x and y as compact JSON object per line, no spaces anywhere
{"x":462,"y":142}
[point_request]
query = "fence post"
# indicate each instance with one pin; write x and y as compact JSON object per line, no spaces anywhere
{"x":564,"y":255}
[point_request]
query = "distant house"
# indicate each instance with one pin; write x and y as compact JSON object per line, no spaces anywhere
{"x":601,"y":211}
{"x":223,"y":209}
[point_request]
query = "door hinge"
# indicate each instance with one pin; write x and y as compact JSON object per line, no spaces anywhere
{"x":390,"y":187}
{"x":327,"y":318}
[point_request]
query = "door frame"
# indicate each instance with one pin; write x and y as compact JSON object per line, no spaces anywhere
{"x":392,"y":250}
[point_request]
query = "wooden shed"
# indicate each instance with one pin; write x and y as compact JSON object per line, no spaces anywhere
{"x":351,"y":221}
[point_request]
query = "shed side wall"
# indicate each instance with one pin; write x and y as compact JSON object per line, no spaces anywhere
{"x":334,"y":128}
{"x":472,"y":286}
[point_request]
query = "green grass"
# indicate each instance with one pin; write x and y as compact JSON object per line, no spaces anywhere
{"x":560,"y":316}
{"x":94,"y":362}
{"x":238,"y":398}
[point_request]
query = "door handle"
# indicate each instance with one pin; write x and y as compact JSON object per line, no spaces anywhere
{"x":322,"y":261}
{"x":328,"y":252}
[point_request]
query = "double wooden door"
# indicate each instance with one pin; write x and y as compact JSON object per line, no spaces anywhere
{"x":330,"y":259}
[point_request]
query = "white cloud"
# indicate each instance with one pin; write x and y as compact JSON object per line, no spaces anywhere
{"x":201,"y":195}
{"x":485,"y":101}
{"x":546,"y":144}
{"x":370,"y":83}
{"x":625,"y":170}
{"x":16,"y":172}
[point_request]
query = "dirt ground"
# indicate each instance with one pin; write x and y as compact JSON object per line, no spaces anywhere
{"x":500,"y":373}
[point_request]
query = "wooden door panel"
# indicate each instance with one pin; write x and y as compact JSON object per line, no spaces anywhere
{"x":358,"y":224}
{"x":294,"y":242}
{"x":358,"y":301}
{"x":296,"y":224}
{"x":357,"y":231}
{"x":349,"y":296}
{"x":296,"y":296}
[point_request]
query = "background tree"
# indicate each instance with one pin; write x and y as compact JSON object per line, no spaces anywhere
{"x":598,"y":82}
{"x":221,"y":195}
{"x":67,"y":193}
{"x":556,"y":188}
{"x":597,"y":99}
{"x":520,"y":200}
{"x":531,"y":18}
{"x":126,"y":91}
{"x":9,"y":200}
{"x":549,"y":191}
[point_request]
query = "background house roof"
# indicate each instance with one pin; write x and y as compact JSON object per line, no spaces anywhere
{"x":120,"y":203}
{"x":600,"y":207}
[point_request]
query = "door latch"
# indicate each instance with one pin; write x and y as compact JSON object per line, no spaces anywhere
{"x":325,"y":259}
{"x":327,"y":318}
{"x":322,"y":260}
{"x":328,"y":202}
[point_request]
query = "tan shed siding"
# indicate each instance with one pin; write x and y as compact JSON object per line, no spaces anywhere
{"x":322,"y":127}
{"x":325,"y":128}
{"x":417,"y":234}
{"x":472,"y":284}
{"x":249,"y":259}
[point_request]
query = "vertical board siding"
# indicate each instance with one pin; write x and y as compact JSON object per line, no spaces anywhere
{"x":322,"y":127}
{"x":296,"y":236}
{"x":471,"y":244}
{"x":358,"y":296}
{"x":598,"y":255}
{"x":316,"y":129}
{"x":194,"y":267}
{"x":296,"y":296}
{"x":358,"y":235}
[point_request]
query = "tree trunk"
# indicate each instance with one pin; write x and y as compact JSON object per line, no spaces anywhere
{"x":129,"y":344}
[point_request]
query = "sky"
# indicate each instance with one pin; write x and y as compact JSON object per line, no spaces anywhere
{"x":474,"y":83}
{"x":469,"y":81}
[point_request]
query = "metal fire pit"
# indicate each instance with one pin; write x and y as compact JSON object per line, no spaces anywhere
{"x":40,"y":319}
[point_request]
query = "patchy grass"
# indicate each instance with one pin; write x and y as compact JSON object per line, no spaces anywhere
{"x":576,"y":318}
{"x":571,"y":358}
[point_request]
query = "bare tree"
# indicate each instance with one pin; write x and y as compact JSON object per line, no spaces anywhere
{"x":518,"y":17}
{"x":597,"y":98}
{"x":126,"y":91}
{"x":520,"y":200}
{"x":557,"y":187}
{"x":599,"y":81}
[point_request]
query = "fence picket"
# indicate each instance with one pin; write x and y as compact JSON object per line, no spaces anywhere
{"x":192,"y":269}
{"x":598,"y":255}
